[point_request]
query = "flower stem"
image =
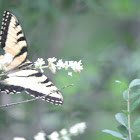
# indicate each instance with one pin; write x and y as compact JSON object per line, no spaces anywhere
{"x":128,"y":116}
{"x":44,"y":67}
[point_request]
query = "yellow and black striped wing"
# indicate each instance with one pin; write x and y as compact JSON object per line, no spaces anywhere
{"x":12,"y":39}
{"x":20,"y":78}
{"x":34,"y":83}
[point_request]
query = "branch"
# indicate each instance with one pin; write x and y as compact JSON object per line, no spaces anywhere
{"x":7,"y":105}
{"x":26,"y":101}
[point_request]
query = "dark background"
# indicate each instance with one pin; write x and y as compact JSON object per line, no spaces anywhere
{"x":105,"y":35}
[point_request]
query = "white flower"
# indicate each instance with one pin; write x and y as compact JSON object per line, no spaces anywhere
{"x":8,"y":58}
{"x":39,"y":62}
{"x":64,"y":134}
{"x":71,"y":63}
{"x":51,"y":64}
{"x":82,"y":126}
{"x":52,"y":60}
{"x":66,"y":65}
{"x":18,"y":138}
{"x":63,"y":131}
{"x":53,"y":68}
{"x":78,"y":128}
{"x":60,"y":64}
{"x":2,"y":66}
{"x":54,"y":136}
{"x":5,"y":60}
{"x":73,"y":130}
{"x":70,"y":73}
{"x":40,"y":136}
{"x":76,"y":66}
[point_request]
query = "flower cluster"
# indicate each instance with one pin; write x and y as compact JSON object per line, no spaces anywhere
{"x":40,"y":136}
{"x":78,"y":128}
{"x":63,"y":134}
{"x":66,"y":134}
{"x":55,"y":65}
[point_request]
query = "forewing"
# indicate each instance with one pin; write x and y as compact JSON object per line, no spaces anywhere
{"x":12,"y":39}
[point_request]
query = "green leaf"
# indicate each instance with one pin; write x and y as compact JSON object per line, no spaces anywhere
{"x":114,"y":133}
{"x":123,"y":130}
{"x":117,"y":81}
{"x":134,"y":94}
{"x":125,"y":94}
{"x":126,"y":112}
{"x":1,"y":71}
{"x":122,"y":119}
{"x":134,"y":83}
{"x":134,"y":104}
{"x":137,"y":121}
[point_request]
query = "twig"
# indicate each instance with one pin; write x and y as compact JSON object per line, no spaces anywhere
{"x":26,"y":101}
{"x":7,"y":105}
{"x":65,"y":87}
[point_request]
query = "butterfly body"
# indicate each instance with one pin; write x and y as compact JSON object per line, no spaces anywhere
{"x":21,"y":75}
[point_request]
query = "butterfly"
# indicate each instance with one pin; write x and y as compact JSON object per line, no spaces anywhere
{"x":20,"y":74}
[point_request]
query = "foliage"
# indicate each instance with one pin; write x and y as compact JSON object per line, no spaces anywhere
{"x":105,"y":36}
{"x":125,"y":130}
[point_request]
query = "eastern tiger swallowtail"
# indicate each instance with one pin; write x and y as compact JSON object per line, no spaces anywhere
{"x":21,"y":76}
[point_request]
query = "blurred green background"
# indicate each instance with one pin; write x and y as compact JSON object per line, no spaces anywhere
{"x":105,"y":35}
